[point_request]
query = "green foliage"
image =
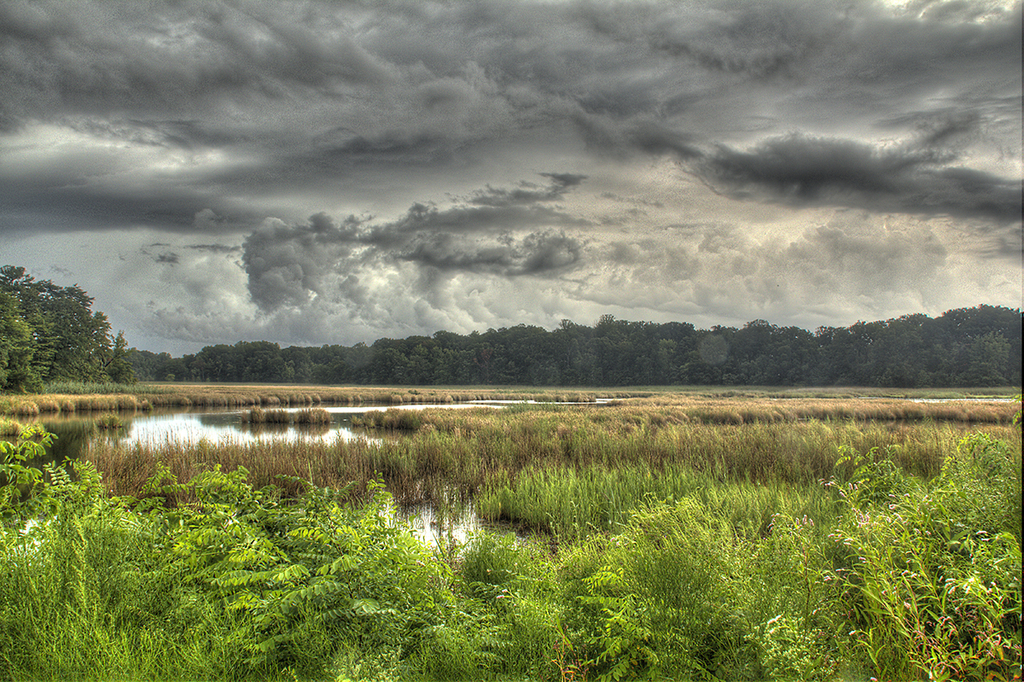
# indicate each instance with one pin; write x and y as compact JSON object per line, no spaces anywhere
{"x":933,"y":574}
{"x":667,"y":597}
{"x":236,"y":584}
{"x":16,"y":348}
{"x":503,"y":620}
{"x":50,"y":333}
{"x":870,"y":478}
{"x":978,"y":346}
{"x":20,"y":483}
{"x":879,"y":572}
{"x":82,"y":596}
{"x":299,"y":576}
{"x":980,"y":485}
{"x":792,"y":602}
{"x":67,"y":387}
{"x":490,"y":564}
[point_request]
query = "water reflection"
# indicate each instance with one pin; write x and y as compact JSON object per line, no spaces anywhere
{"x":75,"y":432}
{"x":442,"y":528}
{"x":445,"y":523}
{"x":227,"y":426}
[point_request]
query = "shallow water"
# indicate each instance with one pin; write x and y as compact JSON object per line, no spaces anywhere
{"x":213,"y":425}
{"x":226,"y":425}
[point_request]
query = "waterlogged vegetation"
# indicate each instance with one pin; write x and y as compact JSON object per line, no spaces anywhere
{"x":666,"y":537}
{"x":69,"y":398}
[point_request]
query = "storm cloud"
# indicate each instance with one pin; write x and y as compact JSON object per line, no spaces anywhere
{"x":914,"y":180}
{"x":499,"y":232}
{"x":354,"y":170}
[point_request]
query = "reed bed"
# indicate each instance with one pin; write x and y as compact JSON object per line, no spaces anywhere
{"x":66,"y":398}
{"x":10,"y":428}
{"x":312,"y":417}
{"x":277,"y":417}
{"x":488,"y":454}
{"x":308,"y":417}
{"x":109,"y":422}
{"x":127,"y":468}
{"x":708,"y":405}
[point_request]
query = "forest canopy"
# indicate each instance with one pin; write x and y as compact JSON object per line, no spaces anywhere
{"x":978,"y":346}
{"x":49,"y":333}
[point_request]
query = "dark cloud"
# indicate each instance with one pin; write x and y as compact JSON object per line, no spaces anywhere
{"x":539,"y":253}
{"x":215,"y":248}
{"x":755,"y":40}
{"x":498,"y":232}
{"x":917,"y":179}
{"x":174,"y":56}
{"x":286,"y":264}
{"x":707,"y":148}
{"x":335,"y":91}
{"x":168,"y":258}
{"x":528,"y":193}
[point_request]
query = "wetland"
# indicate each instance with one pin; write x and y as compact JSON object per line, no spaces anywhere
{"x":658,"y":535}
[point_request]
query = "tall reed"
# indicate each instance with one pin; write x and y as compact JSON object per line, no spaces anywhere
{"x":312,"y":417}
{"x":488,"y":454}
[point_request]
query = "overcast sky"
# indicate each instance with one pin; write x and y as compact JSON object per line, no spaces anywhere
{"x":336,"y":172}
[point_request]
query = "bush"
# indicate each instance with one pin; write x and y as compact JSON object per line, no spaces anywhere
{"x":667,"y":597}
{"x":932,"y":575}
{"x":981,"y":485}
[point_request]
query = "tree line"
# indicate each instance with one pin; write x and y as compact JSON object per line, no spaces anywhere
{"x":49,"y":333}
{"x":978,"y":346}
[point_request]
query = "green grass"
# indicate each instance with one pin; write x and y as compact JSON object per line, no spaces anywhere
{"x":669,"y":547}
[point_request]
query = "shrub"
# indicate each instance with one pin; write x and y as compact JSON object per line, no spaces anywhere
{"x":669,"y":597}
{"x":19,"y":482}
{"x":981,"y":485}
{"x":932,"y":577}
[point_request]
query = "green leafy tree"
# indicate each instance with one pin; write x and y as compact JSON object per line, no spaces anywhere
{"x":16,"y":369}
{"x":66,"y":339}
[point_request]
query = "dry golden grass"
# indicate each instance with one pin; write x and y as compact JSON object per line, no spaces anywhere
{"x":10,"y":428}
{"x":740,"y":410}
{"x":312,"y":417}
{"x":724,"y":404}
{"x":239,"y":396}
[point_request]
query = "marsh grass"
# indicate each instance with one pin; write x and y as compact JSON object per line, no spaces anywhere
{"x":672,"y":548}
{"x":109,"y":422}
{"x":9,"y":428}
{"x":531,"y":464}
{"x":695,"y":405}
{"x":312,"y":417}
{"x":572,"y":504}
{"x":67,"y":397}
